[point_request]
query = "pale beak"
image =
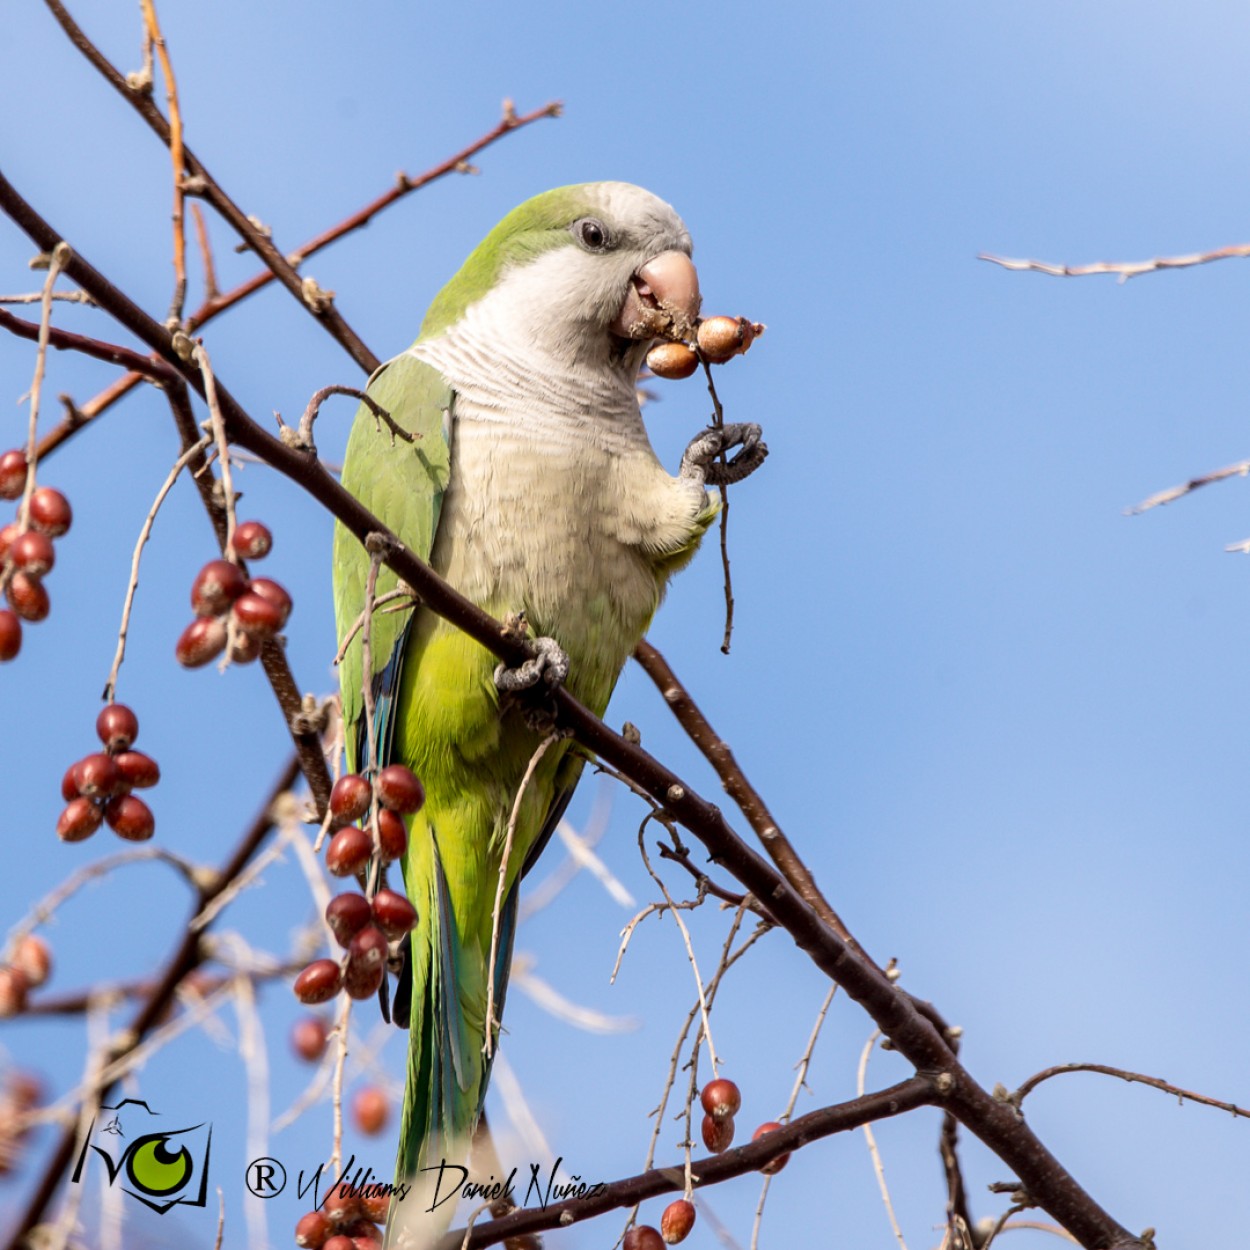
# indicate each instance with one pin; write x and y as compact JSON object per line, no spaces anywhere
{"x":663,"y":300}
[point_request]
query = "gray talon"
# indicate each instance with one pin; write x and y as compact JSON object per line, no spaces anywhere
{"x":700,"y":460}
{"x":551,"y":664}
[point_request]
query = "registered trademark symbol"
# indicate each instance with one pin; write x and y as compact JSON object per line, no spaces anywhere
{"x":266,"y":1178}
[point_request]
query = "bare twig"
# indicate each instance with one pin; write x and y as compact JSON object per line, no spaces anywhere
{"x":110,"y":686}
{"x":206,"y":253}
{"x":1135,"y":1078}
{"x":1240,"y":469}
{"x":1123,"y":269}
{"x":877,"y":1167}
{"x":302,"y":437}
{"x":488,"y":1042}
{"x":718,"y":420}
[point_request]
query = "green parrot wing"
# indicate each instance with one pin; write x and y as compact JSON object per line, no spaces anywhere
{"x":403,"y":484}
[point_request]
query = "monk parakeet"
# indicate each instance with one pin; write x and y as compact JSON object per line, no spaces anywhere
{"x":532,"y":488}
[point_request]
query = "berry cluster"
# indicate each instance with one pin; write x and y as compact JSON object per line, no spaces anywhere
{"x":26,"y":555}
{"x":364,"y":927}
{"x":344,"y":1222}
{"x":97,"y":788}
{"x":717,"y":340}
{"x":721,"y":1101}
{"x":231,"y":609}
{"x":29,"y":966}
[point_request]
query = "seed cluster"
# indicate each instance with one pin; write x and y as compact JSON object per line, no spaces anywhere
{"x":717,"y":340}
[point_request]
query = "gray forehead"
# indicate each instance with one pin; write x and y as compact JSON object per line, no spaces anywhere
{"x":644,"y":213}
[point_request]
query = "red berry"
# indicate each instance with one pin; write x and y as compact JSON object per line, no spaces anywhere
{"x":773,"y":1166}
{"x":27,"y":597}
{"x":339,"y":1207}
{"x":399,"y":789}
{"x":672,"y":360}
{"x":721,"y":1098}
{"x":79,"y":820}
{"x":12,"y":992}
{"x":312,"y":1231}
{"x":268,"y":589}
{"x":339,"y":1242}
{"x":366,"y":963}
{"x":10,"y":635}
{"x":117,"y":727}
{"x":257,"y":615}
{"x":394,"y":913}
{"x":251,"y":540}
{"x":319,"y":982}
{"x":718,"y":1135}
{"x":12,"y":474}
{"x":33,"y":553}
{"x":96,"y":776}
{"x":308,"y":1038}
{"x":677,"y":1221}
{"x":217,"y":585}
{"x":246,"y":647}
{"x":642,"y":1237}
{"x":392,"y":835}
{"x":721,"y":338}
{"x":203,"y":640}
{"x":50,"y":512}
{"x":137,"y":770}
{"x":69,"y":784}
{"x":349,"y":800}
{"x":347,"y":914}
{"x":33,"y":959}
{"x":370,"y":1110}
{"x":349,"y":851}
{"x":376,"y":1207}
{"x":130,"y":818}
{"x":8,"y":535}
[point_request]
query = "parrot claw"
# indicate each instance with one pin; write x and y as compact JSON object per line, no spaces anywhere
{"x":700,"y":460}
{"x":550,"y":663}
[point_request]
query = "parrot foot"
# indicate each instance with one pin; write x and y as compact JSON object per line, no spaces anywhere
{"x":700,"y":459}
{"x":550,"y":664}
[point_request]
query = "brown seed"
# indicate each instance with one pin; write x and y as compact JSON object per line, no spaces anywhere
{"x":117,"y":727}
{"x":251,"y":540}
{"x":319,"y":982}
{"x":349,"y":851}
{"x":33,"y":959}
{"x":269,"y":589}
{"x":12,"y":992}
{"x":677,"y":1221}
{"x":33,"y":553}
{"x":50,"y":512}
{"x":96,"y":776}
{"x":217,"y":585}
{"x":137,"y":770}
{"x":773,"y":1166}
{"x":370,"y":1110}
{"x":312,"y":1231}
{"x":79,"y":820}
{"x":10,"y":635}
{"x":350,"y":798}
{"x":12,"y":474}
{"x":27,"y":597}
{"x":203,"y":640}
{"x":394,"y":914}
{"x":718,"y":1135}
{"x":720,"y":338}
{"x":399,"y":789}
{"x":672,"y":360}
{"x":346,"y":915}
{"x":69,"y":784}
{"x":642,"y":1237}
{"x":721,"y":1098}
{"x":257,"y":615}
{"x":130,"y":818}
{"x":392,"y":835}
{"x":308,"y":1038}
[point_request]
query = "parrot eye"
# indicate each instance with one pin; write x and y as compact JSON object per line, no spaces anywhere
{"x":592,"y":234}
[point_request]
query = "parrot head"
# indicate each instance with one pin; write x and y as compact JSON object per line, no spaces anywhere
{"x":592,"y":273}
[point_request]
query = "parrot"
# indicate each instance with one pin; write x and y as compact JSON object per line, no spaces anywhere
{"x":530,"y":485}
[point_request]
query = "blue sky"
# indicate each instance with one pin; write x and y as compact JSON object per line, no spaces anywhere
{"x":1004,"y":723}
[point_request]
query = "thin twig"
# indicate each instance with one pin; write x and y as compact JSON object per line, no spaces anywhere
{"x":223,"y":446}
{"x":391,"y":596}
{"x":206,"y":253}
{"x":1123,"y":269}
{"x":877,"y":1166}
{"x":718,"y":420}
{"x":1135,"y":1078}
{"x":302,"y":437}
{"x":342,"y":1027}
{"x":110,"y":686}
{"x":35,"y":297}
{"x":1240,"y":469}
{"x":488,"y":1042}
